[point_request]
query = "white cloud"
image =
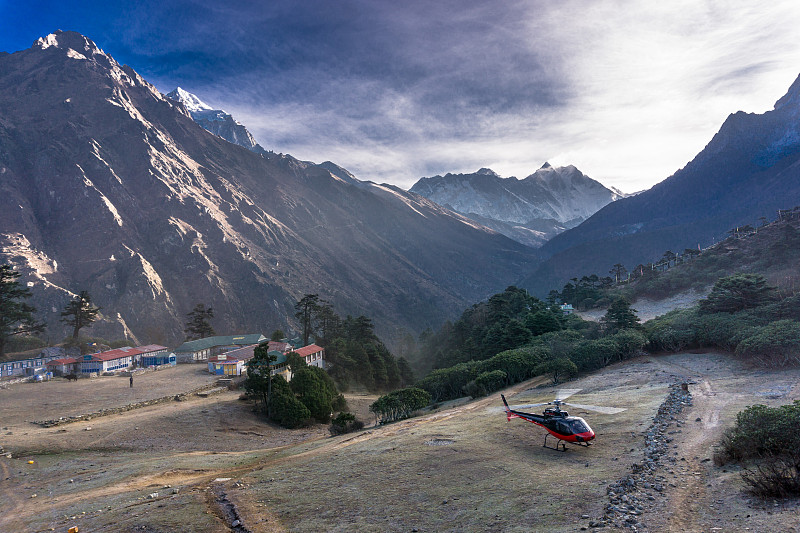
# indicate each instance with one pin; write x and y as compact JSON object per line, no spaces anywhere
{"x":627,"y":90}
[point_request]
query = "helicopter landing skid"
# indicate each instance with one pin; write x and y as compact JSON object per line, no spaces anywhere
{"x":563,"y":444}
{"x":558,"y":442}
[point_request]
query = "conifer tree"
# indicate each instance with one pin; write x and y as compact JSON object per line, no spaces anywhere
{"x":16,"y":317}
{"x":198,"y":326}
{"x":307,"y":308}
{"x":79,"y":313}
{"x":620,"y":316}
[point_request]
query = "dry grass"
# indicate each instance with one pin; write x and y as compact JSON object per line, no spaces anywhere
{"x":461,"y":468}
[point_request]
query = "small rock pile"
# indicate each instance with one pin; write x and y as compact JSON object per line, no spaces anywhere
{"x":629,"y":496}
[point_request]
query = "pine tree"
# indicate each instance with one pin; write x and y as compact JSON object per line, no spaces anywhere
{"x":618,"y":272}
{"x":16,"y":317}
{"x":620,"y":316}
{"x":198,"y":326}
{"x":736,"y":293}
{"x":79,"y":313}
{"x":259,"y":376}
{"x":307,"y":309}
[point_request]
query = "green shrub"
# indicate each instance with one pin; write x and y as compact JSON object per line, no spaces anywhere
{"x":518,"y":364}
{"x":776,"y":344}
{"x":761,"y":431}
{"x":559,"y":343}
{"x":448,"y":383}
{"x":316,"y":390}
{"x":399,"y":404}
{"x":542,"y":322}
{"x":485,"y":383}
{"x":766,"y":438}
{"x":561,"y":369}
{"x":736,"y":293}
{"x":345,"y":423}
{"x":288,"y":411}
{"x":723,"y":330}
{"x":591,"y":355}
{"x":629,"y":342}
{"x":672,"y":332}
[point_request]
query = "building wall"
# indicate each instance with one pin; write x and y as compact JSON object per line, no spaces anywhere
{"x":159,"y":359}
{"x":62,"y":370}
{"x":26,"y":366}
{"x":193,"y":357}
{"x":113,"y":365}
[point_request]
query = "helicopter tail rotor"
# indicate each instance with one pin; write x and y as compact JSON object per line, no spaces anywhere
{"x":509,"y":413}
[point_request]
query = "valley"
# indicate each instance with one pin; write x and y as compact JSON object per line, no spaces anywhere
{"x":200,"y":464}
{"x":157,"y":203}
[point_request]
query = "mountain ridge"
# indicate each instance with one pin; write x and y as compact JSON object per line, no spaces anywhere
{"x":530,"y":210}
{"x":749,"y":169}
{"x":119,"y":192}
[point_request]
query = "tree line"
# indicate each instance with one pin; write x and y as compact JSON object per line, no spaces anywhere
{"x":354,"y":353}
{"x":513,"y":336}
{"x":506,"y":320}
{"x":18,"y":318}
{"x":742,"y":314}
{"x":592,"y":290}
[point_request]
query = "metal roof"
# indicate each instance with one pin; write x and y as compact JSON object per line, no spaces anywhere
{"x":223,"y":340}
{"x":305,"y":351}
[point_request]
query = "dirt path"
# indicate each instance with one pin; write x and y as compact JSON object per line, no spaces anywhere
{"x":12,"y":502}
{"x":702,"y":496}
{"x":691,"y":496}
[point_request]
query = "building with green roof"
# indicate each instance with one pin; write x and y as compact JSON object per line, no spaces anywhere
{"x":201,"y":349}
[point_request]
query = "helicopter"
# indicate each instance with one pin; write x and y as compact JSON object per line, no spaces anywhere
{"x":558,"y":423}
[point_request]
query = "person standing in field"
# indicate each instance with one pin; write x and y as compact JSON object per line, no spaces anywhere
{"x":131,"y":380}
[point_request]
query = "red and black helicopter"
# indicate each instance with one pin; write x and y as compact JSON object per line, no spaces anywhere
{"x":558,"y":423}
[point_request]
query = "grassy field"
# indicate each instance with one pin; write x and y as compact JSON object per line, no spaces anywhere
{"x":459,"y":468}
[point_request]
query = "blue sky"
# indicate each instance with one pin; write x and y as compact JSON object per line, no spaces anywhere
{"x":626,"y":90}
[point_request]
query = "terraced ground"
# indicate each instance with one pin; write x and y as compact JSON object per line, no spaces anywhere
{"x":210,"y":464}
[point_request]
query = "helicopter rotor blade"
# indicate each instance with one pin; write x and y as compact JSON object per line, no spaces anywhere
{"x":496,"y":409}
{"x":528,"y":405}
{"x":563,"y":394}
{"x":598,"y":408}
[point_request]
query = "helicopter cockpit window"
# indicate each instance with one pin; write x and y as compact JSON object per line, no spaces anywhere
{"x":563,"y":427}
{"x":578,"y":426}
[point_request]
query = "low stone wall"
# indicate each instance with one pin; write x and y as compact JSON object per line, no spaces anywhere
{"x":630,"y":497}
{"x":204,"y":391}
{"x":13,"y":381}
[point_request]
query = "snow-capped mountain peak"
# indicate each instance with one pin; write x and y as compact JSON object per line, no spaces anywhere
{"x":528,"y":210}
{"x":70,"y":40}
{"x":487,"y":172}
{"x":192,"y":102}
{"x":216,"y":121}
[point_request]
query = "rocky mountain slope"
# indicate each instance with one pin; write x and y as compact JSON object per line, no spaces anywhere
{"x":750,"y":169}
{"x":531,"y":210}
{"x":108,"y":186}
